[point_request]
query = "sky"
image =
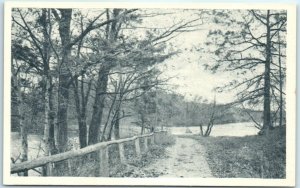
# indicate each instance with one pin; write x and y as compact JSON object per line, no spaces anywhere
{"x":191,"y":77}
{"x":187,"y":68}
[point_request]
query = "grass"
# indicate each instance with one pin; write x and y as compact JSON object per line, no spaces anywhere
{"x":247,"y":157}
{"x":135,"y":167}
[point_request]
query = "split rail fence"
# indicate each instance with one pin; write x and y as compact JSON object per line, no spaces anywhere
{"x":100,"y":148}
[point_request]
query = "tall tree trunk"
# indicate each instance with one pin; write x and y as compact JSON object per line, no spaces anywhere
{"x":14,"y":108}
{"x":211,"y":119}
{"x":48,"y":138}
{"x":116,"y":118}
{"x":84,"y":101}
{"x":24,"y":141}
{"x":143,"y":113}
{"x":117,"y":125}
{"x":48,"y":142}
{"x":63,"y":100}
{"x":80,"y":112}
{"x":64,"y":80}
{"x":118,"y":108}
{"x":110,"y":111}
{"x":142,"y":123}
{"x":201,"y":129}
{"x":101,"y":88}
{"x":20,"y":122}
{"x":51,"y":119}
{"x":45,"y":90}
{"x":267,"y":84}
{"x":280,"y":83}
{"x":82,"y":132}
{"x":45,"y":142}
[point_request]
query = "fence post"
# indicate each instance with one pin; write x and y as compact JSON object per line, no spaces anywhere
{"x":69,"y":166}
{"x":156,"y":137}
{"x":49,"y":167}
{"x":152,"y":138}
{"x":121,"y":153}
{"x":145,"y":143}
{"x":137,"y":147}
{"x":103,"y":157}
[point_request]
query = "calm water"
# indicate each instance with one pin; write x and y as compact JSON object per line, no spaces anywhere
{"x":231,"y":129}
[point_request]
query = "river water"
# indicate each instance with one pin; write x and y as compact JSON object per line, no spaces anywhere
{"x":231,"y":129}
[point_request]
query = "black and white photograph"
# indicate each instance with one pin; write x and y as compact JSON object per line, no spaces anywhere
{"x":135,"y":94}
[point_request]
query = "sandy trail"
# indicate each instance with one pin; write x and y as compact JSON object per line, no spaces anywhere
{"x":186,"y":158}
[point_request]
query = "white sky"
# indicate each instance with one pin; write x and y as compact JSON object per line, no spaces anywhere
{"x":191,"y":78}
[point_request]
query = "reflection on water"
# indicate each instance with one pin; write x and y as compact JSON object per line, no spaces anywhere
{"x":231,"y":129}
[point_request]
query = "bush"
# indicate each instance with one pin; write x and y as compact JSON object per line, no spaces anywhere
{"x":135,"y":167}
{"x":167,"y":139}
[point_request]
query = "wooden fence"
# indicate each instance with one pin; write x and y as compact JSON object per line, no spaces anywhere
{"x":101,"y":148}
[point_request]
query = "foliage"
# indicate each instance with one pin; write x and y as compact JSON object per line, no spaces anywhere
{"x":85,"y":67}
{"x":252,"y":49}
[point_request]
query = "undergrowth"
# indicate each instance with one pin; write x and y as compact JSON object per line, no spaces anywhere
{"x":135,"y":167}
{"x":247,"y":157}
{"x":88,"y":165}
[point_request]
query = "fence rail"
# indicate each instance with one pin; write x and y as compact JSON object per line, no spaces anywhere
{"x":101,"y":147}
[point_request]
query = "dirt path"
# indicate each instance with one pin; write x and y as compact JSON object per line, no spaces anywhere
{"x":186,"y":158}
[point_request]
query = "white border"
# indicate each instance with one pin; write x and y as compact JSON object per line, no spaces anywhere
{"x":290,"y":101}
